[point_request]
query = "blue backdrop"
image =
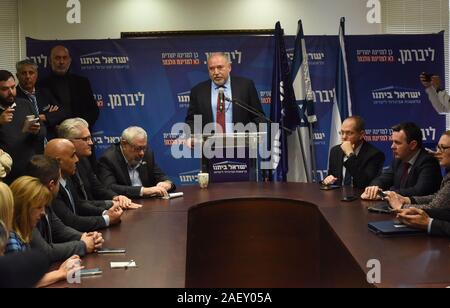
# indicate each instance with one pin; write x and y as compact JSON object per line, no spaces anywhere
{"x":146,"y":82}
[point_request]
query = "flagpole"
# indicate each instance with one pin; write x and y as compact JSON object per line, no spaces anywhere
{"x":313,"y":154}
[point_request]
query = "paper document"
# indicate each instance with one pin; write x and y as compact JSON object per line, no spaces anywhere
{"x":174,"y":195}
{"x":126,"y":264}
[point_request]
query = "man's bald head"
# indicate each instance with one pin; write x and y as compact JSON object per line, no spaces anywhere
{"x":64,"y":152}
{"x":60,"y":60}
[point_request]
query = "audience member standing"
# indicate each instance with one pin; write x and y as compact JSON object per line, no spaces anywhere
{"x":73,"y":92}
{"x":21,"y":133}
{"x":41,"y":98}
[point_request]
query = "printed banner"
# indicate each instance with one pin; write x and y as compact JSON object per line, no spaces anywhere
{"x":146,"y":82}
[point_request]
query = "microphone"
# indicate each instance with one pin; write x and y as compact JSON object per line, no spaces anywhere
{"x":221,"y":99}
{"x":254,"y":111}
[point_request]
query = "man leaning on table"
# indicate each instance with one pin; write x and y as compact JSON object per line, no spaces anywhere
{"x":129,"y":167}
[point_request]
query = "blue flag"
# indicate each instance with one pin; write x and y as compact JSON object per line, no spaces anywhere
{"x":301,"y":143}
{"x":342,"y":106}
{"x":283,"y":109}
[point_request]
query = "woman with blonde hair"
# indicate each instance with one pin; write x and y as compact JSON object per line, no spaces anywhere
{"x":5,"y":164}
{"x":6,"y":205}
{"x":30,"y":199}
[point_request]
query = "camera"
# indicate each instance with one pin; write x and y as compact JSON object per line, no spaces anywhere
{"x":427,"y":76}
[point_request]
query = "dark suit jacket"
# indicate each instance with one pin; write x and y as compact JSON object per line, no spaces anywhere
{"x":22,"y":269}
{"x":45,"y":99}
{"x":80,"y":103}
{"x":424,"y":177}
{"x":113,"y":172}
{"x":87,"y":217}
{"x":363,"y":168}
{"x":21,"y":146}
{"x":55,"y":239}
{"x":243,"y":90}
{"x":441,"y":222}
{"x":94,"y":189}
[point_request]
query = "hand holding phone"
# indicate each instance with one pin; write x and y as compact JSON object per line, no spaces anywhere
{"x":7,"y":115}
{"x":381,"y":194}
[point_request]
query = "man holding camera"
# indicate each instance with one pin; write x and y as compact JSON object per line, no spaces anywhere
{"x":21,"y":134}
{"x":438,"y":97}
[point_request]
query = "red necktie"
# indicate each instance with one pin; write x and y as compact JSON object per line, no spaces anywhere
{"x":220,"y":115}
{"x":404,"y":177}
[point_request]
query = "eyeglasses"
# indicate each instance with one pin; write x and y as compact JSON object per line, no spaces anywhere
{"x":137,"y":148}
{"x":442,"y":149}
{"x":85,"y":139}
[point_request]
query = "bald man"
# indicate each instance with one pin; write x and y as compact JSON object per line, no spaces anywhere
{"x":72,"y":92}
{"x":73,"y":212}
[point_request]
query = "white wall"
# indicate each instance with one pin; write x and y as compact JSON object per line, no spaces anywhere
{"x":46,"y":19}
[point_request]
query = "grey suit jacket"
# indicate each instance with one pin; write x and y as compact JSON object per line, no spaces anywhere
{"x":56,"y":240}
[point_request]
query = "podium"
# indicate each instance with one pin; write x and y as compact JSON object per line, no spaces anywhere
{"x":232,"y":157}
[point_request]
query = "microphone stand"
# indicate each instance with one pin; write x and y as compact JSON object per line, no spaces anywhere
{"x":255,"y":112}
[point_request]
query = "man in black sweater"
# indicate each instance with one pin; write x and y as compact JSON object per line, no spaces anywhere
{"x":73,"y":92}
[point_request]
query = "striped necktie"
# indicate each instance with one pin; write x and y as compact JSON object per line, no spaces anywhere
{"x":34,"y":104}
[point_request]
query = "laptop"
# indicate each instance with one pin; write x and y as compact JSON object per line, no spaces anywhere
{"x":392,"y":228}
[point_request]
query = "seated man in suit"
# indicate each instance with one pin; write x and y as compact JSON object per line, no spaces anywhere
{"x":129,"y":167}
{"x":206,"y":101}
{"x":435,"y":221}
{"x":413,"y":172}
{"x":51,"y":236}
{"x":88,"y":186}
{"x":75,"y":213}
{"x":354,"y":162}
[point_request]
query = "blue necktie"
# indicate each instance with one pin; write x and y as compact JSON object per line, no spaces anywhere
{"x":72,"y":203}
{"x":34,"y":104}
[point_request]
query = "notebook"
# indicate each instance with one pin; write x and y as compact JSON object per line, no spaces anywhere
{"x":392,"y":228}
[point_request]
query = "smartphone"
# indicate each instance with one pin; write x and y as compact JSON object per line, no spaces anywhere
{"x":90,"y":272}
{"x":349,"y":198}
{"x":329,"y":187}
{"x":427,"y":76}
{"x":110,"y":250}
{"x":381,"y":194}
{"x":381,"y":208}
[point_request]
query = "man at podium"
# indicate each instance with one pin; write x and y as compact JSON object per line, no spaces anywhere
{"x":224,"y":100}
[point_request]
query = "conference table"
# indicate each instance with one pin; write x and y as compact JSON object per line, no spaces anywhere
{"x":260,"y":235}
